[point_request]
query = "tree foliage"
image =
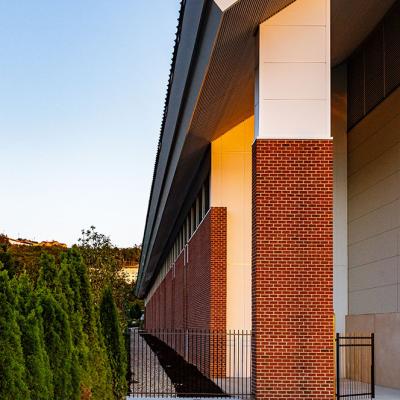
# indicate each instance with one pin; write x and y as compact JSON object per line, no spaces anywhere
{"x":12,"y":364}
{"x":8,"y":262}
{"x":39,"y":377}
{"x":59,"y":338}
{"x":105,"y":263}
{"x":60,"y":327}
{"x":114,"y":342}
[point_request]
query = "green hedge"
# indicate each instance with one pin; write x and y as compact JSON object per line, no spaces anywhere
{"x":55,"y":343}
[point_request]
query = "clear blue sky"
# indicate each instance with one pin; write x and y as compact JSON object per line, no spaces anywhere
{"x":82,"y":88}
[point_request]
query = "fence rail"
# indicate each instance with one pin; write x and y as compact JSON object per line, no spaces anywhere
{"x":200,"y":363}
{"x":355,"y":369}
{"x":190,"y":363}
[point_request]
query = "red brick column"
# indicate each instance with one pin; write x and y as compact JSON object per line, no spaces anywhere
{"x":218,"y":266}
{"x":292,"y":270}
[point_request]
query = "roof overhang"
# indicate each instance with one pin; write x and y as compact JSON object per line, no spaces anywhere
{"x":212,"y":90}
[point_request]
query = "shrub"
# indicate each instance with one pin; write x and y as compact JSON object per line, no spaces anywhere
{"x":114,"y":342}
{"x":12,"y":366}
{"x":54,"y":301}
{"x":39,"y":377}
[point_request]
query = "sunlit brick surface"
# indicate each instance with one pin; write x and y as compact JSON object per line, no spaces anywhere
{"x":292,"y":270}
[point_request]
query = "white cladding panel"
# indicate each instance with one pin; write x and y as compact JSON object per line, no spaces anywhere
{"x":301,"y":12}
{"x":231,"y":175}
{"x":312,"y":86}
{"x":340,"y":243}
{"x":225,"y":4}
{"x":293,"y":83}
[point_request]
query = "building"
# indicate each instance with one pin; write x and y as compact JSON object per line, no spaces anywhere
{"x":130,"y":270}
{"x":275,"y":203}
{"x":27,"y":242}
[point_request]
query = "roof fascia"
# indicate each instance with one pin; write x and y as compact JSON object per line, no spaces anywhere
{"x":193,"y":58}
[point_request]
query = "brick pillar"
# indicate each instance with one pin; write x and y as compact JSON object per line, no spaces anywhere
{"x":292,"y":270}
{"x":218,"y":265}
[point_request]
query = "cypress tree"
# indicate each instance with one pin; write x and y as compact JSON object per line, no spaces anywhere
{"x":58,"y":343}
{"x":98,"y":374}
{"x":114,"y":342}
{"x":7,"y":262}
{"x":39,"y":377}
{"x":70,"y":287}
{"x":48,"y":273}
{"x":55,"y":301}
{"x":12,"y":366}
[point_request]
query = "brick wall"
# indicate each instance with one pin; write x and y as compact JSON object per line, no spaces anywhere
{"x":193,"y":294}
{"x":169,"y":304}
{"x":179,"y":298}
{"x":292,"y":270}
{"x":206,"y":273}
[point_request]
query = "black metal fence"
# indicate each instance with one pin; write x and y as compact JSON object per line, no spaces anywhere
{"x":355,"y":370}
{"x":190,"y":363}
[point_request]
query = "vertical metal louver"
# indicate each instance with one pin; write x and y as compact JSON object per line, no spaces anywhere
{"x":374,"y":68}
{"x":392,"y":48}
{"x":374,"y":78}
{"x":356,"y":92}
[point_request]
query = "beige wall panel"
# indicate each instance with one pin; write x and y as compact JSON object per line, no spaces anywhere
{"x":381,"y":299}
{"x":386,"y":111}
{"x":376,"y":170}
{"x":374,"y":210}
{"x":386,"y":328}
{"x":231,"y":187}
{"x":376,"y":222}
{"x":377,"y":248}
{"x":387,"y":344}
{"x":383,"y":193}
{"x":373,"y":275}
{"x":375,"y":145}
{"x":364,"y":324}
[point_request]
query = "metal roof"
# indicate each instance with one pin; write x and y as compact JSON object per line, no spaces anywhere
{"x":210,"y":90}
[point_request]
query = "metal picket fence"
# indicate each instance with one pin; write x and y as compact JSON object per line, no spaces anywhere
{"x":355,"y":369}
{"x":190,"y":363}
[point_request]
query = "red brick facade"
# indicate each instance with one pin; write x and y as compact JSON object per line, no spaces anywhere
{"x":292,"y":270}
{"x":193,"y":294}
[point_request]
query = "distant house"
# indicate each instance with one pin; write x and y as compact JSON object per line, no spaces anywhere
{"x":21,"y":242}
{"x":52,"y":243}
{"x":27,"y":242}
{"x":130,"y":270}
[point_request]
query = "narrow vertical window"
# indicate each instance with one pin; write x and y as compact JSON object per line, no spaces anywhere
{"x":203,"y":201}
{"x":207,"y":194}
{"x":193,"y":219}
{"x":200,"y":206}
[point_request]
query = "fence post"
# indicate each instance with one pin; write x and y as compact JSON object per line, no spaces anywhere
{"x":372,"y":365}
{"x":129,"y":355}
{"x":338,"y":365}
